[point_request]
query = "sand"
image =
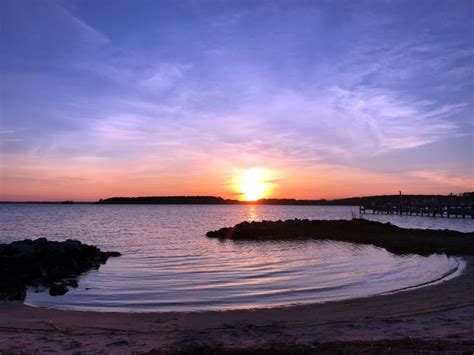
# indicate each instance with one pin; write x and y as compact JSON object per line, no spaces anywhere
{"x":434,"y":318}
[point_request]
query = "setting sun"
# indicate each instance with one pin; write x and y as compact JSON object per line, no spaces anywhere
{"x":252,"y":184}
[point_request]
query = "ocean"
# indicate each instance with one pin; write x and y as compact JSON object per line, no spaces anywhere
{"x":168,"y":264}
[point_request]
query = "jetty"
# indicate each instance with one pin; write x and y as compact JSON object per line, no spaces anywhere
{"x":395,"y":239}
{"x":451,"y":207}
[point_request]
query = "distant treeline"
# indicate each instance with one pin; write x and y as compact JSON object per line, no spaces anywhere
{"x":168,"y":200}
{"x":466,"y":198}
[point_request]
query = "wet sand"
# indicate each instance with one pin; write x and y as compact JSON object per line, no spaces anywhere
{"x":437,"y":318}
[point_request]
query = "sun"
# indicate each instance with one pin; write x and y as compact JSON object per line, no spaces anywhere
{"x":252,"y":184}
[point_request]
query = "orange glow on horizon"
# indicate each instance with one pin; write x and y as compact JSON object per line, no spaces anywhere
{"x":86,"y":179}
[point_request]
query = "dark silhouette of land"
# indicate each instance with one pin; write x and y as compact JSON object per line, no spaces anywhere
{"x":385,"y":235}
{"x":465,"y":199}
{"x":168,"y":200}
{"x":460,"y":199}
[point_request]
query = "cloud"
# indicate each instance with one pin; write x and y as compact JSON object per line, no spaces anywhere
{"x":234,"y":88}
{"x":81,"y":27}
{"x":165,"y":76}
{"x":441,"y":177}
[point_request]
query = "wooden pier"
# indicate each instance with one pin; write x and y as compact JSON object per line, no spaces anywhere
{"x":414,"y":210}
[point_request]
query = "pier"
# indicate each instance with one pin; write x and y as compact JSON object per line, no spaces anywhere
{"x":443,"y":206}
{"x":430,"y":211}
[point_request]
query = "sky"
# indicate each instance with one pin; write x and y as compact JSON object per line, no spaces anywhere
{"x":327,"y":99}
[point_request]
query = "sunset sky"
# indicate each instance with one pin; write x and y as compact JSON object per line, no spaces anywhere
{"x":324,"y":99}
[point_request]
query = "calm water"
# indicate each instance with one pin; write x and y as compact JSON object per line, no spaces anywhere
{"x":169,"y":264}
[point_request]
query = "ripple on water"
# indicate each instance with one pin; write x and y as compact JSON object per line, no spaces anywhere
{"x":168,"y":264}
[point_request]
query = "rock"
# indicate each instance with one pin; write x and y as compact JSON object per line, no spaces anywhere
{"x":113,"y":253}
{"x":385,"y":235}
{"x":43,"y":264}
{"x":71,"y":283}
{"x":58,"y":289}
{"x":12,"y":292}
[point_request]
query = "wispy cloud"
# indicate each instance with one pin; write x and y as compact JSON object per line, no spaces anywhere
{"x":84,"y":29}
{"x":444,"y":178}
{"x":189,"y":90}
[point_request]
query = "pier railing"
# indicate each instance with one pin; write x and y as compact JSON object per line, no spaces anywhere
{"x":419,"y":210}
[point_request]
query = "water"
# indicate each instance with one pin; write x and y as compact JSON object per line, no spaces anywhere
{"x":168,"y":264}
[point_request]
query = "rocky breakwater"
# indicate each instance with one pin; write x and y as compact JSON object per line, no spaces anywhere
{"x":394,"y":239}
{"x":45,"y":264}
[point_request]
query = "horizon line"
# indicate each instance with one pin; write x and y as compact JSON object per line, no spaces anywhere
{"x":224,"y":199}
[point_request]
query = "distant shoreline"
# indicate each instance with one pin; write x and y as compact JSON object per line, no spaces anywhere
{"x":465,"y":198}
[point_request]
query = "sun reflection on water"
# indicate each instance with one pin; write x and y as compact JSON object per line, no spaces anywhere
{"x":252,"y":213}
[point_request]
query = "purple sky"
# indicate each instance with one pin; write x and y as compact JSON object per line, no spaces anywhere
{"x":331,"y":98}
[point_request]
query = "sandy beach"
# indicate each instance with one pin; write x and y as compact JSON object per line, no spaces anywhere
{"x":236,"y":177}
{"x":434,"y":318}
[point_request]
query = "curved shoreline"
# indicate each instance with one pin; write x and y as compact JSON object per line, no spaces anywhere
{"x":439,"y":316}
{"x":458,"y":270}
{"x":450,"y":273}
